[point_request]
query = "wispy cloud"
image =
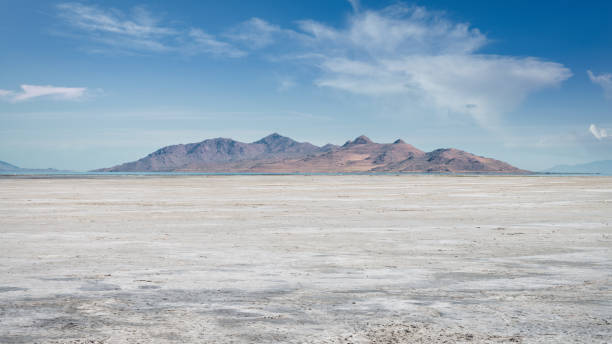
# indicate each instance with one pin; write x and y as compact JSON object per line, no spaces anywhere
{"x":599,"y":133}
{"x":255,"y":33}
{"x":138,"y":32}
{"x":603,"y":80}
{"x":401,"y":52}
{"x":205,"y":43}
{"x":36,"y":91}
{"x":355,"y":5}
{"x":285,"y":84}
{"x":409,"y":52}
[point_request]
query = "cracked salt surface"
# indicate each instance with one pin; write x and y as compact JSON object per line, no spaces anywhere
{"x":295,"y":259}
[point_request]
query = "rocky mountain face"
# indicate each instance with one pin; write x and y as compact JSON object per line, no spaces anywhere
{"x":215,"y":154}
{"x":279,"y":154}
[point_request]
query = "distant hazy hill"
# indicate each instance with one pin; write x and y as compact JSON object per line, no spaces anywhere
{"x":6,"y":167}
{"x":602,"y":167}
{"x":280,"y":154}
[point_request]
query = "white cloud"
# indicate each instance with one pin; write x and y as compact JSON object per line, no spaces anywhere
{"x":599,"y":133}
{"x":208,"y":44}
{"x":401,"y":52}
{"x":410,"y":53}
{"x":355,"y":5}
{"x":139,"y":31}
{"x":36,"y":91}
{"x":603,"y":80}
{"x":397,"y":30}
{"x":285,"y":84}
{"x":95,"y":19}
{"x":254,"y":33}
{"x":479,"y":85}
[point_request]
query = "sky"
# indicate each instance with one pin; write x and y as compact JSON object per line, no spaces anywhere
{"x":91,"y":84}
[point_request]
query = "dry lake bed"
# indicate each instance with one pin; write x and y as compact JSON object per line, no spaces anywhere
{"x":306,"y":259}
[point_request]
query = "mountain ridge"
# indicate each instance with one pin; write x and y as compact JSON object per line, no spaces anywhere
{"x":280,"y":154}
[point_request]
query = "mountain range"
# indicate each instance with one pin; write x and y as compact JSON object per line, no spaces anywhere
{"x":279,"y":154}
{"x":5,"y":167}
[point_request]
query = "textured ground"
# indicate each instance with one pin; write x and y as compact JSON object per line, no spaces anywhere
{"x":306,"y":259}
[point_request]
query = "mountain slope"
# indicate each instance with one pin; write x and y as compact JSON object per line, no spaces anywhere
{"x":359,"y":155}
{"x":453,"y":160}
{"x":280,"y":154}
{"x":210,"y":154}
{"x":363,"y":155}
{"x":5,"y":166}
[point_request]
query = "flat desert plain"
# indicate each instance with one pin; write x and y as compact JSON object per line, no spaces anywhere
{"x":306,"y":259}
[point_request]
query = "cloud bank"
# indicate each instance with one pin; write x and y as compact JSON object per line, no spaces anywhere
{"x":599,"y":133}
{"x":36,"y":91}
{"x":603,"y":80}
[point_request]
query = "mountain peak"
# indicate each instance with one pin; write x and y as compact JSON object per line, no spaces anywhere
{"x":360,"y":140}
{"x":276,"y":143}
{"x":273,"y":138}
{"x":277,"y":153}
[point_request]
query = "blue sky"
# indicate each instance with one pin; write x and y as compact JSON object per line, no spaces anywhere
{"x":92,"y":84}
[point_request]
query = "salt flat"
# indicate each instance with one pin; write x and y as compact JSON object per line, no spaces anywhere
{"x":306,"y":259}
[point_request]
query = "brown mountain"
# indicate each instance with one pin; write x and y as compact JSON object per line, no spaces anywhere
{"x":214,"y":154}
{"x":280,"y":154}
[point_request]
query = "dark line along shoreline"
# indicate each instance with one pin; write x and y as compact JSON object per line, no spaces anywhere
{"x":87,"y":175}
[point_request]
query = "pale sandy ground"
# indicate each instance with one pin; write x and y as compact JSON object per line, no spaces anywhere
{"x":306,"y":259}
